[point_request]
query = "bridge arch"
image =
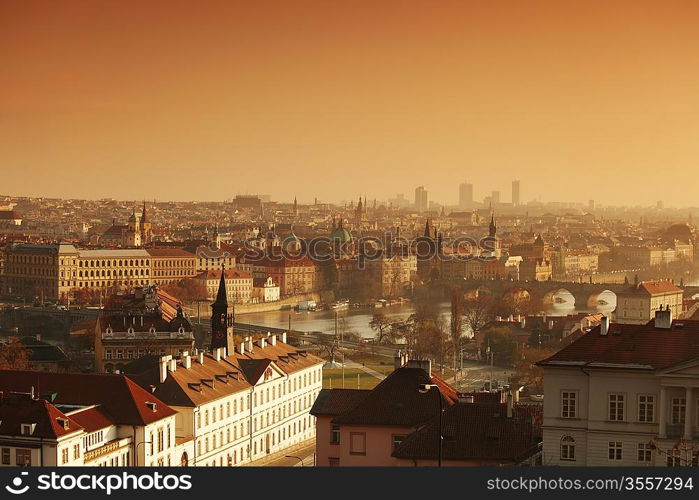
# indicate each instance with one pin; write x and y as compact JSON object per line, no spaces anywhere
{"x":550,"y":297}
{"x":605,"y":299}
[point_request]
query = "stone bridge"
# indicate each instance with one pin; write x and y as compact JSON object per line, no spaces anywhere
{"x":585,"y":294}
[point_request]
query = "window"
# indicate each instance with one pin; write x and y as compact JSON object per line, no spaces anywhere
{"x":679,"y":409}
{"x":23,"y":457}
{"x":357,"y":443}
{"x":615,"y":450}
{"x":567,"y":448}
{"x":76,"y":451}
{"x":616,"y":407}
{"x":335,"y":434}
{"x":5,"y":456}
{"x":396,"y":440}
{"x":644,"y":452}
{"x":64,"y":456}
{"x":569,"y":404}
{"x":646,"y":408}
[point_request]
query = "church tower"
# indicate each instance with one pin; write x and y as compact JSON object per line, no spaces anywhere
{"x":222,"y":318}
{"x":132,"y":237}
{"x":146,"y":228}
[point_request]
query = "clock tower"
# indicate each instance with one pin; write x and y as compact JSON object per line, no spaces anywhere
{"x":222,"y":319}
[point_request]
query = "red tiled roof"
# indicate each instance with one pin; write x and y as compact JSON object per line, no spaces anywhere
{"x":656,"y":287}
{"x":18,"y":409}
{"x":170,"y":252}
{"x":92,"y":419}
{"x":122,"y":398}
{"x":9,"y":215}
{"x":634,"y":346}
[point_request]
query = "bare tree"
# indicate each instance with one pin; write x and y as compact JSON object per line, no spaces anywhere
{"x":477,"y":312}
{"x":383,"y":327}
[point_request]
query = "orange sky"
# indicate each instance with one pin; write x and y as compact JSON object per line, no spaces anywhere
{"x":205,"y":99}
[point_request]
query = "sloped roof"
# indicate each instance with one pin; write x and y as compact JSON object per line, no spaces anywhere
{"x":121,"y":397}
{"x":473,"y":431}
{"x":398,"y":401}
{"x":18,"y":409}
{"x":334,"y":402}
{"x":637,"y":346}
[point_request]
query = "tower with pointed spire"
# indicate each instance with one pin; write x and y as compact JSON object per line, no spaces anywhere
{"x":296,"y":207}
{"x":146,"y":227}
{"x":222,"y":318}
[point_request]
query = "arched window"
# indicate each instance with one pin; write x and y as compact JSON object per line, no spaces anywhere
{"x":567,"y":448}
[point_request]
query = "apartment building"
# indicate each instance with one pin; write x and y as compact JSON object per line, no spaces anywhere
{"x":239,"y":284}
{"x":171,"y":265}
{"x":624,"y":394}
{"x":638,"y":304}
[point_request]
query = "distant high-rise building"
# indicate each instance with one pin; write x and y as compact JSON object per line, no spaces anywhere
{"x":515,"y":193}
{"x":465,"y":195}
{"x":495,"y":198}
{"x":591,"y":205}
{"x":660,"y":205}
{"x":421,"y":199}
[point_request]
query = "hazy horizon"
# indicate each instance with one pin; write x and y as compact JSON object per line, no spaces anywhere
{"x":177,"y":100}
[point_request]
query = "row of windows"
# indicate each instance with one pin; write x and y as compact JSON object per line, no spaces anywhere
{"x":617,"y":407}
{"x":643,"y":451}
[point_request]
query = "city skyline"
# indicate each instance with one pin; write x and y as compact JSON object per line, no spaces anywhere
{"x":139,"y":98}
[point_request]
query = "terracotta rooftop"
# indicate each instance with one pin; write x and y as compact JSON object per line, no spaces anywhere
{"x":632,"y":346}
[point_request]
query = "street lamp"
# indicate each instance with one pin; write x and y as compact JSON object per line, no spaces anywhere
{"x":136,"y":454}
{"x":424,"y":388}
{"x":297,"y":458}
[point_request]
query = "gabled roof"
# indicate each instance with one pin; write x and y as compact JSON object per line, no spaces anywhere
{"x":121,"y":397}
{"x":479,"y":431}
{"x":93,"y":418}
{"x":398,"y":401}
{"x":18,"y":409}
{"x":632,"y":346}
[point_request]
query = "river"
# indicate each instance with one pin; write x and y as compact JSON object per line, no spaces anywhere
{"x":357,"y":320}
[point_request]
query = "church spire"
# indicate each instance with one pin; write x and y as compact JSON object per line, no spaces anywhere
{"x":492,"y":228}
{"x":143,"y":213}
{"x":222,"y":296}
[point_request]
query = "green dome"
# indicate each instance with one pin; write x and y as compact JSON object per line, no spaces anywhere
{"x":341,"y":235}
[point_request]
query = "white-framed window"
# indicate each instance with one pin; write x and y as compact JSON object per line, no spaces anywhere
{"x":679,"y":410}
{"x":615,"y":450}
{"x":646,"y":408}
{"x":645,"y":452}
{"x":567,"y":448}
{"x":569,"y":404}
{"x":616,"y":407}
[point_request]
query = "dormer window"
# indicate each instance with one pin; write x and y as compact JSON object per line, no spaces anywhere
{"x":63,"y":422}
{"x":28,"y":429}
{"x":152,"y":406}
{"x":151,"y":330}
{"x":130,"y":331}
{"x":108,"y":332}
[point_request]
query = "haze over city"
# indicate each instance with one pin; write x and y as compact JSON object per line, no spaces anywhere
{"x":178,"y":101}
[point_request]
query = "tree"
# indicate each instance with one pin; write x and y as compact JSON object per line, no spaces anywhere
{"x":456,"y":330}
{"x":502,"y":343}
{"x":382,"y":325}
{"x":186,"y":290}
{"x":14,"y":355}
{"x":477,"y":312}
{"x":529,"y":375}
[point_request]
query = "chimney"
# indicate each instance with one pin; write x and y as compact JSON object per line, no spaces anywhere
{"x":187,"y":360}
{"x":263,"y":343}
{"x":284,"y":338}
{"x":273,"y":340}
{"x":173,"y":365}
{"x":550,"y":324}
{"x":200,"y":354}
{"x":425,"y":364}
{"x":510,"y":399}
{"x":242,"y":348}
{"x":163,"y":362}
{"x":217,"y":354}
{"x":524,"y":322}
{"x":663,"y":318}
{"x":604,"y":326}
{"x":398,"y":360}
{"x":248,"y":341}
